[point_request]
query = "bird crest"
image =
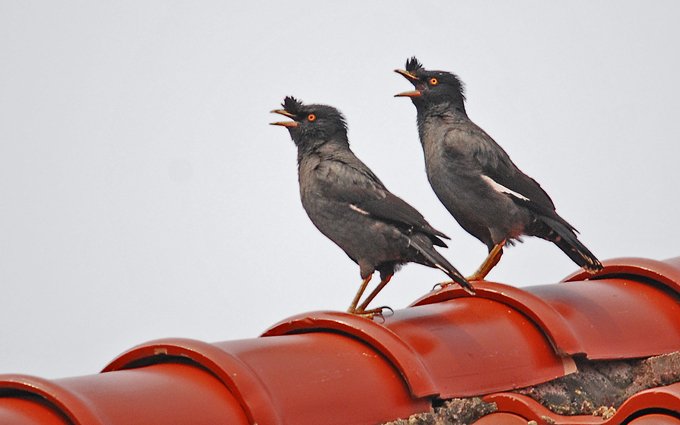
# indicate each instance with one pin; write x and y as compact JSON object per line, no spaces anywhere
{"x":412,"y":65}
{"x":291,"y":105}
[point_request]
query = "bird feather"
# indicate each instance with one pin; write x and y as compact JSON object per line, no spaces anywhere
{"x":355,"y":185}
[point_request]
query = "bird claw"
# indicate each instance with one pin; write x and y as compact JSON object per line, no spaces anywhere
{"x":441,"y":285}
{"x":370,"y":314}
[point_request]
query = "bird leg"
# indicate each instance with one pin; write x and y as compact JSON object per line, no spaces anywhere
{"x":491,"y":260}
{"x":353,"y":307}
{"x":362,"y":308}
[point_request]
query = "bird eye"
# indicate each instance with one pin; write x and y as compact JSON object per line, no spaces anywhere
{"x":433,"y":81}
{"x":311,"y":117}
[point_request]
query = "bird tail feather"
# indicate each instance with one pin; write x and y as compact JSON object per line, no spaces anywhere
{"x":565,"y":238}
{"x":435,"y":259}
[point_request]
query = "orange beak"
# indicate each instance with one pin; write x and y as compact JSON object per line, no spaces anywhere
{"x":406,"y":74}
{"x":412,"y":78}
{"x":285,"y":114}
{"x":412,"y":93}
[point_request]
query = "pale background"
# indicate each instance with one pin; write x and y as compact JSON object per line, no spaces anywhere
{"x":143,"y":193}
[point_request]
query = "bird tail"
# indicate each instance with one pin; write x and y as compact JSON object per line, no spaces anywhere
{"x":435,"y":259}
{"x":564,"y":236}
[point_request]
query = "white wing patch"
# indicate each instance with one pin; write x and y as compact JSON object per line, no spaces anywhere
{"x":502,"y":189}
{"x":359,"y":210}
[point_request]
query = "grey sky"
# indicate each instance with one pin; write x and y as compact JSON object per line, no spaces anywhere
{"x":144,"y":195}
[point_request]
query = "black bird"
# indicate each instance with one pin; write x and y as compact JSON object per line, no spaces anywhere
{"x":476,"y":180}
{"x":351,"y":206}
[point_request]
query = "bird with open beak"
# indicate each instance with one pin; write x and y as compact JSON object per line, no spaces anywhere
{"x":476,"y":180}
{"x":352,"y":207}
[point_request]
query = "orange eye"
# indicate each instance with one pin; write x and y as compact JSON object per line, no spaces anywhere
{"x":433,"y":81}
{"x":311,"y":117}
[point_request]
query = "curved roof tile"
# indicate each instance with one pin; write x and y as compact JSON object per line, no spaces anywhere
{"x":401,"y":354}
{"x":33,"y":411}
{"x":614,"y":318}
{"x":246,"y":387}
{"x":555,"y":327}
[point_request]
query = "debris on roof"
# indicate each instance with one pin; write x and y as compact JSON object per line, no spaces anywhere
{"x":457,"y":411}
{"x":599,"y":388}
{"x":604,"y":383}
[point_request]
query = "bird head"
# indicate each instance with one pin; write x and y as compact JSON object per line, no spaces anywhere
{"x":432,"y":87}
{"x":312,"y":125}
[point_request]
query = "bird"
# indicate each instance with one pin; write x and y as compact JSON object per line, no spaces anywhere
{"x":347,"y":202}
{"x":475,"y":178}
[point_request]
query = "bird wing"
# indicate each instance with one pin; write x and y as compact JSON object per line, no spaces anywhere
{"x":520,"y":187}
{"x":352,"y":182}
{"x":473,"y":144}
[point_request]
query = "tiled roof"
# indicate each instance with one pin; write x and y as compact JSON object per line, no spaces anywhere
{"x":337,"y":368}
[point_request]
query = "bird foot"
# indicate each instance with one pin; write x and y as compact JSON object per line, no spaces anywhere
{"x":370,"y":314}
{"x":443,"y":285}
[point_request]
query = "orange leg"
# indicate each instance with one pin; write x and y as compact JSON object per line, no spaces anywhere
{"x":353,"y":307}
{"x":491,"y":260}
{"x":362,"y":308}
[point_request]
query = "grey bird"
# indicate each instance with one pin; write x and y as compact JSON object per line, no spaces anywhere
{"x":476,"y":180}
{"x":352,"y":207}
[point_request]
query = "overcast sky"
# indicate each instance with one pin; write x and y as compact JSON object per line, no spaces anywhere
{"x":144,"y":195}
